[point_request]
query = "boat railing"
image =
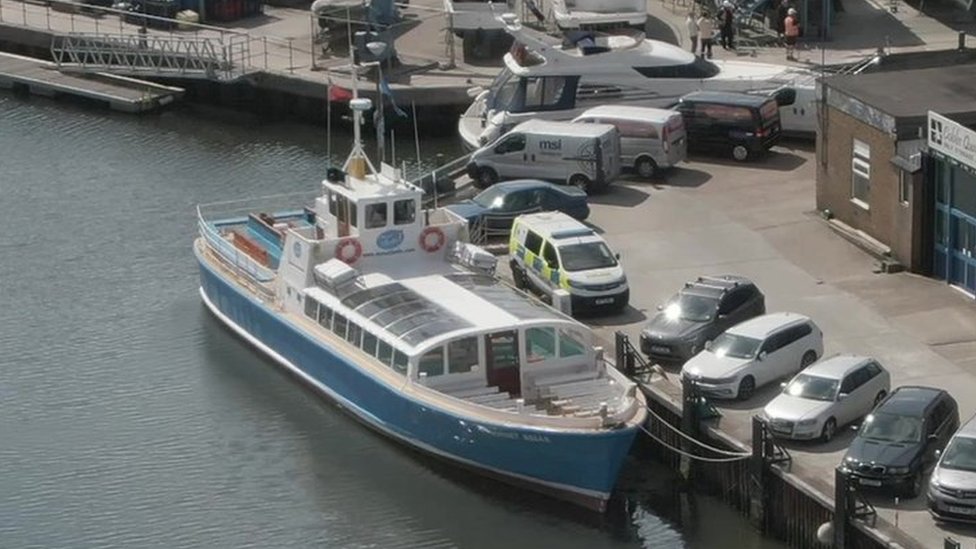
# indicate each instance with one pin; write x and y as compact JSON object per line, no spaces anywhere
{"x":210,"y":217}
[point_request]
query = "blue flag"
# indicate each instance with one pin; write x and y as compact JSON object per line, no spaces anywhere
{"x":387,"y":92}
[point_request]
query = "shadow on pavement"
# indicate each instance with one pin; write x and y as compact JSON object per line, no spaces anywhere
{"x":774,"y":160}
{"x":756,"y":403}
{"x":840,"y":441}
{"x":620,"y":195}
{"x":630,"y":315}
{"x":682,"y":177}
{"x":885,"y":499}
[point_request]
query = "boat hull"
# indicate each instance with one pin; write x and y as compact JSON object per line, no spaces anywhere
{"x":575,"y":465}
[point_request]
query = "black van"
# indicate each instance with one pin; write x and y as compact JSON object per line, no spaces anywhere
{"x":741,"y":123}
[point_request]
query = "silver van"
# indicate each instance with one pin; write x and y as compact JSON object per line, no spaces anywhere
{"x":650,"y":139}
{"x":582,"y":155}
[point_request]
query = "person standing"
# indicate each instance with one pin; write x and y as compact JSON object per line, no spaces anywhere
{"x":726,"y":22}
{"x":692,"y":25}
{"x":781,"y":13}
{"x":791,"y":30}
{"x":706,"y":34}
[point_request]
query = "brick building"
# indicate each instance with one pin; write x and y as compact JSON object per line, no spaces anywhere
{"x":874,"y":174}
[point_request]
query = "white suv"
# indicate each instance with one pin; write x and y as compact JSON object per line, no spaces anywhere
{"x":754,"y":353}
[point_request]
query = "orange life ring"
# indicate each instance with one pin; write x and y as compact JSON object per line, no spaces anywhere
{"x":349,"y":250}
{"x":439,"y":239}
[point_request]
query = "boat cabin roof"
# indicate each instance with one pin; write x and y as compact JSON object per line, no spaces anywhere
{"x":424,"y":311}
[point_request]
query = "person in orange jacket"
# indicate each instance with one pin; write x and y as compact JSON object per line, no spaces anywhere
{"x":791,"y":30}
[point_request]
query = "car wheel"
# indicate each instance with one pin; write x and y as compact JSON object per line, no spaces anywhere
{"x":829,"y":430}
{"x":518,"y":276}
{"x":486,"y":178}
{"x":645,"y":167}
{"x":878,"y":398}
{"x":740,"y":153}
{"x":582,"y":182}
{"x":809,"y":358}
{"x":746,"y":387}
{"x":914,"y":487}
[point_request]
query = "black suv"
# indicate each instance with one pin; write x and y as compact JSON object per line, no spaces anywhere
{"x":698,"y":313}
{"x":898,"y":440}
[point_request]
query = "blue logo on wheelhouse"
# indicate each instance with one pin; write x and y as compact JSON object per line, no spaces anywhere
{"x":389,"y":240}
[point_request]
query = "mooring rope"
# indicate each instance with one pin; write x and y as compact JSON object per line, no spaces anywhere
{"x":693,"y":456}
{"x":696,"y":441}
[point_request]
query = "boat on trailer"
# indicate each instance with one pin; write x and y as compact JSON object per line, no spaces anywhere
{"x":383,"y":306}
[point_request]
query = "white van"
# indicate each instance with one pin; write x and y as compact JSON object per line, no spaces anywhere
{"x":650,"y":139}
{"x":583,"y":155}
{"x":552,"y":251}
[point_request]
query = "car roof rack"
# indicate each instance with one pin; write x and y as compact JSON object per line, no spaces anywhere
{"x":721,"y":280}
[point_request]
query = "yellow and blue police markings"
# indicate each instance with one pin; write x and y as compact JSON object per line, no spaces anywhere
{"x":536,"y":263}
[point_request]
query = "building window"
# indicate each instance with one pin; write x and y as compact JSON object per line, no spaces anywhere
{"x":861,"y":173}
{"x":904,"y":187}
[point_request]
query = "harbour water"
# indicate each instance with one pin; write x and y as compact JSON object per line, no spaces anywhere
{"x":130,"y":418}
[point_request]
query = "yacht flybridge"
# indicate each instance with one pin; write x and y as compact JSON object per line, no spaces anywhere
{"x":553,"y":79}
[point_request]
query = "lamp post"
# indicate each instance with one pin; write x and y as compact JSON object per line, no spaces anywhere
{"x":379,"y":120}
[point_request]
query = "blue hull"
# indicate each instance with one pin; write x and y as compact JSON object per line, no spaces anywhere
{"x":578,"y":466}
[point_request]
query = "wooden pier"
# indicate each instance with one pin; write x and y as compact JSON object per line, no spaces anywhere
{"x":124,"y":94}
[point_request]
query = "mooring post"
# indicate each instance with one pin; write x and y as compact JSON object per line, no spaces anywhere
{"x":841,"y":507}
{"x":757,"y":486}
{"x":620,"y":352}
{"x":689,"y":422}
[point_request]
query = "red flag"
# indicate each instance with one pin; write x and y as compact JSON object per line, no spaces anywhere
{"x":338,"y":94}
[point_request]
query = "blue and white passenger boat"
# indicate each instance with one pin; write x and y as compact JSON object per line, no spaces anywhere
{"x":383,"y":306}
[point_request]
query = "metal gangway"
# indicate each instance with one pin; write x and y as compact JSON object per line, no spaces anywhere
{"x":222,"y":58}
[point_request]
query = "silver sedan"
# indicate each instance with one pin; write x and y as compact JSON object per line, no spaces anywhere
{"x":826,"y":396}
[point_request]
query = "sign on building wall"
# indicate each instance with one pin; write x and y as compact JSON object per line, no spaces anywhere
{"x":952,"y":139}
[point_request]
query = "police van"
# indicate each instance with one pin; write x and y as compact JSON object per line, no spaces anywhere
{"x":552,"y":251}
{"x":583,"y":155}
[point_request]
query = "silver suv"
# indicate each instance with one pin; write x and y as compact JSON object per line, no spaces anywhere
{"x":952,"y":488}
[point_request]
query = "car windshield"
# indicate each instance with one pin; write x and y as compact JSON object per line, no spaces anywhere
{"x":960,"y":454}
{"x":490,"y":198}
{"x":735,"y":346}
{"x":586,"y":256}
{"x":812,"y":387}
{"x":892,"y":428}
{"x":695,"y":308}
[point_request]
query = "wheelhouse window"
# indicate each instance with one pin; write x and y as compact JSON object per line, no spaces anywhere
{"x":376,"y":215}
{"x":861,"y":173}
{"x":544,"y":92}
{"x":354,"y":333}
{"x":312,"y":308}
{"x":431,"y":363}
{"x":400,"y":362}
{"x":369,"y":343}
{"x":404,"y":212}
{"x":343,"y":209}
{"x":384,"y":352}
{"x":325,"y":317}
{"x":503,"y":91}
{"x":540,"y":344}
{"x":571,"y":343}
{"x":462,"y":355}
{"x":339,"y":323}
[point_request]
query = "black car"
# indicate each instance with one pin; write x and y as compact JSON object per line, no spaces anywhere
{"x":740,"y":124}
{"x":898,"y":441}
{"x":698,"y":313}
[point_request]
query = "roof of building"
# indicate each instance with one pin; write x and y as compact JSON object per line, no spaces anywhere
{"x":946,"y":90}
{"x":836,"y":367}
{"x":761,"y":326}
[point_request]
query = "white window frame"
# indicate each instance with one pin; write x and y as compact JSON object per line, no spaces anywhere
{"x":904,"y":188}
{"x":861,"y":167}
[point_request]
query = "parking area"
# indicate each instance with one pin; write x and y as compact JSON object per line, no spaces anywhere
{"x":757,"y":219}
